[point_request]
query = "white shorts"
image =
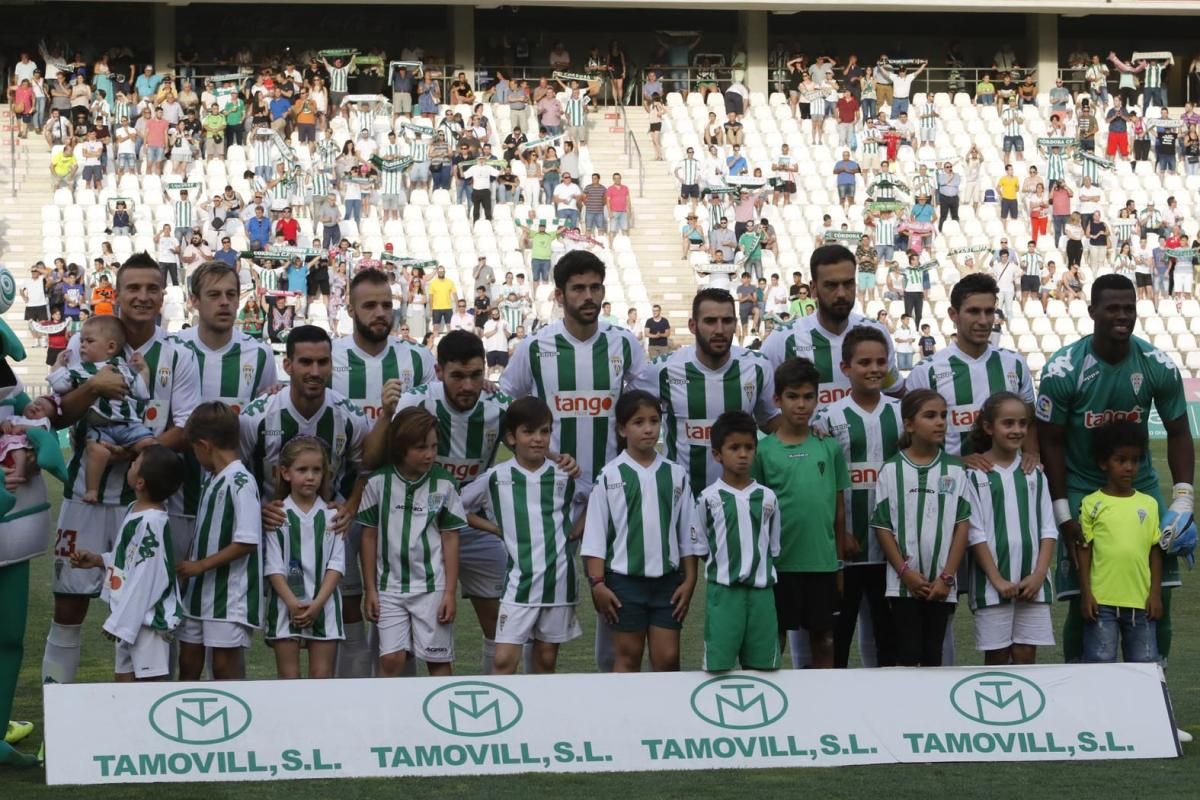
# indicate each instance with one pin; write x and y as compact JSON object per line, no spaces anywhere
{"x":148,"y":657}
{"x":551,"y":624}
{"x":351,"y":582}
{"x":182,"y":530}
{"x":1183,"y":282}
{"x":482,"y":562}
{"x":409,"y":622}
{"x":214,"y":633}
{"x":83,"y":526}
{"x":998,"y":627}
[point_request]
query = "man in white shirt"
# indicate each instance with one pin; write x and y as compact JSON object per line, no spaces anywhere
{"x":777,"y":296}
{"x":91,"y":150}
{"x":902,"y":82}
{"x":33,"y":292}
{"x":24,"y":69}
{"x":481,"y":176}
{"x":567,"y":197}
{"x":125,"y":137}
{"x":495,"y":342}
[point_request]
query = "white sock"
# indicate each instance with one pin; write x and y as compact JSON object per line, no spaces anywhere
{"x":61,"y":659}
{"x":489,"y":656}
{"x":866,"y":636}
{"x":354,"y":656}
{"x":948,"y":645}
{"x":801,"y":653}
{"x":606,"y":654}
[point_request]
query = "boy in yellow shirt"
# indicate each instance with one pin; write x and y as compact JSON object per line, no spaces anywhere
{"x":1120,"y":564}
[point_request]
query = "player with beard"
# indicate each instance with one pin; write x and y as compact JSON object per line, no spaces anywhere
{"x":1109,"y":375}
{"x":174,"y":392}
{"x":700,"y":383}
{"x":362,"y":364}
{"x":579,"y":367}
{"x":233,"y":367}
{"x":818,"y":337}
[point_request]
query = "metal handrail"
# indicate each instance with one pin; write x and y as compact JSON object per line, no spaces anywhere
{"x":443,"y":74}
{"x":631,"y":147}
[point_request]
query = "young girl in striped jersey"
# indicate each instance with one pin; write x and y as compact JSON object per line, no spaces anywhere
{"x":1012,"y":539}
{"x":637,"y":547}
{"x":304,"y":560}
{"x":537,"y":509}
{"x":921,"y":512}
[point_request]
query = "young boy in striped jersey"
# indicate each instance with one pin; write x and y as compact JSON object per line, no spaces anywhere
{"x":537,"y":509}
{"x":736,"y":525}
{"x":1012,"y":538}
{"x":867,"y":425}
{"x":808,"y":474}
{"x":223,"y":595}
{"x":411,"y":515}
{"x":113,"y":424}
{"x":637,"y":545}
{"x":139,"y":583}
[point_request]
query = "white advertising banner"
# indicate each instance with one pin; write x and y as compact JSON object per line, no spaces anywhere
{"x":268,"y":730}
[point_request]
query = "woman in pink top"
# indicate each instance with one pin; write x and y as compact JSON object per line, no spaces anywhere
{"x":21,"y":99}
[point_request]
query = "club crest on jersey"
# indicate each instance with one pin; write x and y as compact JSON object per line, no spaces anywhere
{"x":436,"y":499}
{"x":490,"y":437}
{"x":618,"y":365}
{"x":1142,"y":514}
{"x":821,"y":467}
{"x":946,"y":484}
{"x":164,"y":375}
{"x":339,"y":443}
{"x":1011,"y":377}
{"x":406,"y":377}
{"x":1136,"y":380}
{"x":748,"y":387}
{"x":248,"y":373}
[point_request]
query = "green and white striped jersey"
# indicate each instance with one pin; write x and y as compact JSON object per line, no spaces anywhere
{"x":920,"y":505}
{"x":183,"y":215}
{"x":230,"y":512}
{"x":535,"y":512}
{"x":868,"y":439}
{"x":966,"y":383}
{"x":467,"y":440}
{"x":103,"y":411}
{"x":740,"y":530}
{"x":303,"y":550}
{"x":234,"y":374}
{"x":693,"y":396}
{"x":1011,"y":119}
{"x":319,"y":184}
{"x":1055,"y":168}
{"x":391,"y":181}
{"x":359,"y":376}
{"x":639,"y":518}
{"x":174,"y":391}
{"x":272,"y":421}
{"x":885,"y":231}
{"x":688,"y":171}
{"x":282,"y":188}
{"x":807,"y":339}
{"x":264,"y":149}
{"x":339,"y":78}
{"x":1153,"y":75}
{"x":1031,"y":264}
{"x":410,"y":517}
{"x":1011,"y":513}
{"x":575,"y":112}
{"x":581,"y":382}
{"x":139,"y":584}
{"x":419,"y":150}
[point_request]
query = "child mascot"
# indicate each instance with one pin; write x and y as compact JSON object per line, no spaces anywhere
{"x":24,"y":526}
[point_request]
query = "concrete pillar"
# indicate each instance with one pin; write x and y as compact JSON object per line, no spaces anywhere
{"x":752,"y":27}
{"x":1041,"y":43}
{"x":462,"y":27}
{"x":164,"y":37}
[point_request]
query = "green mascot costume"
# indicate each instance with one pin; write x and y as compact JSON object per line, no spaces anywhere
{"x":24,"y":526}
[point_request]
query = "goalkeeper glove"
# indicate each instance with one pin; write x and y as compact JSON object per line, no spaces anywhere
{"x":1179,"y":525}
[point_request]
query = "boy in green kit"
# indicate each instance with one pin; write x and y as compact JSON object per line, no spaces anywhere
{"x":808,"y":475}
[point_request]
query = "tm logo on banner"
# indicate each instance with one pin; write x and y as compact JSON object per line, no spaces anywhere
{"x":200,"y":716}
{"x":472,"y":708}
{"x":998,"y":698}
{"x":739,"y":702}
